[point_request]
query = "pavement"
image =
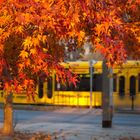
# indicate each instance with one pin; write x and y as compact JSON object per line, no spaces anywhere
{"x":128,"y":110}
{"x":78,"y":131}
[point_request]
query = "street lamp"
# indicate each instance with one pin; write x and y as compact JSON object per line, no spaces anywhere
{"x":91,"y":71}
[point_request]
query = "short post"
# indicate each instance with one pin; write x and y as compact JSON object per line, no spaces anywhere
{"x":132,"y":105}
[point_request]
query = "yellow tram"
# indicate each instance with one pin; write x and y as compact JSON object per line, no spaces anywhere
{"x":126,"y":87}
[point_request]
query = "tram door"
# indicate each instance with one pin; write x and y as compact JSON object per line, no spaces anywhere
{"x":45,"y":90}
{"x":119,"y":99}
{"x":122,"y":85}
{"x":49,"y":88}
{"x":132,"y":84}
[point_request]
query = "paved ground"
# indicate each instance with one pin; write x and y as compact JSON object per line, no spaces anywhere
{"x":77,"y":124}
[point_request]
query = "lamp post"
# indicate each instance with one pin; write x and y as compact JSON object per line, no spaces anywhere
{"x":91,"y":71}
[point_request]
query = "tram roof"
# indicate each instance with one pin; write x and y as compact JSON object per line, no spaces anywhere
{"x":85,"y":64}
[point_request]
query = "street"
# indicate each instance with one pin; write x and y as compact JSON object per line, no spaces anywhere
{"x":76,"y":121}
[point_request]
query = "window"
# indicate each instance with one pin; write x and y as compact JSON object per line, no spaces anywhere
{"x":132,"y":85}
{"x":114,"y":82}
{"x":60,"y":87}
{"x":84,"y":83}
{"x":49,"y":88}
{"x":40,"y":88}
{"x":121,"y":85}
{"x":97,"y":82}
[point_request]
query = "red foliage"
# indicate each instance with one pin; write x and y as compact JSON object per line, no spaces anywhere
{"x":32,"y":33}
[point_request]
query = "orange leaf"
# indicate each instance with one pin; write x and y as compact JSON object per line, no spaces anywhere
{"x":24,"y":54}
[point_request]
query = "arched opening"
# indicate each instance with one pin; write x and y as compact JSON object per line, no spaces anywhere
{"x":132,"y":86}
{"x":49,"y":88}
{"x":121,"y":86}
{"x":40,"y":88}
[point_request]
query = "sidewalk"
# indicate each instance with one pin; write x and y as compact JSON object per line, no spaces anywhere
{"x":67,"y":131}
{"x":76,"y":124}
{"x":33,"y":107}
{"x":77,"y":130}
{"x":128,"y":110}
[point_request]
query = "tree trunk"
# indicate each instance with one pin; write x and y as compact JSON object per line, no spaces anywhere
{"x":107,"y":99}
{"x":8,"y":114}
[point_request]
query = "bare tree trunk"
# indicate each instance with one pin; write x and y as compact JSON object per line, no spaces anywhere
{"x":107,"y":99}
{"x":8,"y":114}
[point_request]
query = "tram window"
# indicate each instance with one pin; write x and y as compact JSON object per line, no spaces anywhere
{"x":132,"y":85}
{"x":121,"y":85}
{"x":97,"y":82}
{"x":40,"y":88}
{"x":60,"y":86}
{"x":84,"y":83}
{"x":49,"y":87}
{"x":139,"y":82}
{"x":57,"y":86}
{"x":63,"y":87}
{"x":70,"y":87}
{"x":114,"y":82}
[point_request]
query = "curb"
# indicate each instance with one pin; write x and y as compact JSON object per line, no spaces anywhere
{"x":33,"y":107}
{"x":128,"y":111}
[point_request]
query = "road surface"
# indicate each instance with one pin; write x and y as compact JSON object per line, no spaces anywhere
{"x":77,"y":123}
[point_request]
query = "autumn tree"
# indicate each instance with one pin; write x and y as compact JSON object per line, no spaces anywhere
{"x":31,"y":45}
{"x":33,"y":32}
